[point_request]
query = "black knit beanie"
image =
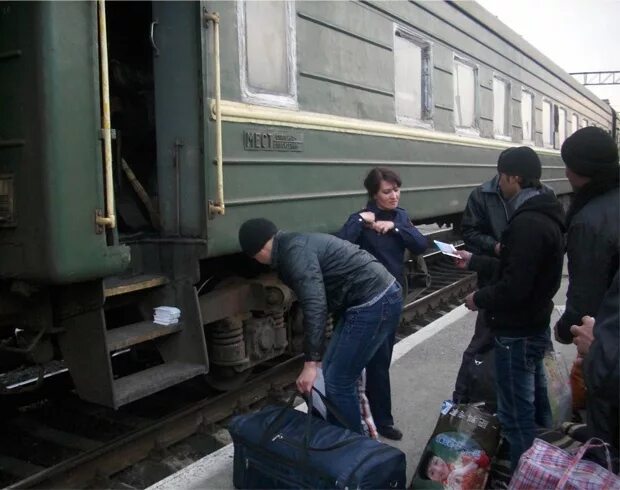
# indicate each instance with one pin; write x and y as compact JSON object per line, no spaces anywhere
{"x":520,"y":162}
{"x":254,"y":233}
{"x":590,"y":151}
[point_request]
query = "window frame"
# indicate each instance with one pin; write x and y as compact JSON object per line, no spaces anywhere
{"x":530,"y":92}
{"x":551,"y":123}
{"x":574,"y":118}
{"x":255,"y":96}
{"x":426,"y":104}
{"x":507,"y":108}
{"x":560,"y":140}
{"x":475,"y":129}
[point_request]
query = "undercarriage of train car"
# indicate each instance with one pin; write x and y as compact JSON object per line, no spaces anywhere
{"x":234,"y":316}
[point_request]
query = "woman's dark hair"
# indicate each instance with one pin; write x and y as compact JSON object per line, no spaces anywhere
{"x":372,"y":182}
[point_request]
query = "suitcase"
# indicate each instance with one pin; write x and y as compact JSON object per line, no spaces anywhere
{"x":280,"y":447}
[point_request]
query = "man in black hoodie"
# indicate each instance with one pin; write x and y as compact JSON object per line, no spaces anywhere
{"x":517,"y":301}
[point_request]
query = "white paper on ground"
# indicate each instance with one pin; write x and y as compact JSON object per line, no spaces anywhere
{"x":447,"y":249}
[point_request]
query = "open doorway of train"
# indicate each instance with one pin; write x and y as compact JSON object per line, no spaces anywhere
{"x":132,"y":106}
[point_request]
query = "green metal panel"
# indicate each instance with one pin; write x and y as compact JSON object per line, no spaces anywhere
{"x":50,"y":101}
{"x":318,"y":187}
{"x":178,"y":109}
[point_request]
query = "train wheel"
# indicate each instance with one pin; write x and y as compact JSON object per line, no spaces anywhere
{"x":226,"y":378}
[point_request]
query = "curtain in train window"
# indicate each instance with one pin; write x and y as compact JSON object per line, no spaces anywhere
{"x":527,"y":111}
{"x":561,"y":126}
{"x":547,"y":124}
{"x":501,"y":91}
{"x":267,"y":52}
{"x":464,"y":83}
{"x":575,"y":125}
{"x":412,"y":83}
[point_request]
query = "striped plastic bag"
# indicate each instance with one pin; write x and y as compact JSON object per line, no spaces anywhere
{"x":546,"y":466}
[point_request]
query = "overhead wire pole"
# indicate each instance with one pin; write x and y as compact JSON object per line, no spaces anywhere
{"x":597,"y":77}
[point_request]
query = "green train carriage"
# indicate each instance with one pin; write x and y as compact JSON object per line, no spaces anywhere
{"x":222,"y":111}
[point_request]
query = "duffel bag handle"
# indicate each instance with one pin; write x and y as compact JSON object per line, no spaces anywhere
{"x":590,"y":444}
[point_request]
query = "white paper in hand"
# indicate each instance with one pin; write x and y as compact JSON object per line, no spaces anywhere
{"x":447,"y":249}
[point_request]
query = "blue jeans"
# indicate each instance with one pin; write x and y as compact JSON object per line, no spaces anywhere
{"x":522,"y":401}
{"x":378,"y":386}
{"x":358,"y":336}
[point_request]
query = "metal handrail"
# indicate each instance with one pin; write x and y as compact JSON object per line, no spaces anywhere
{"x":110,"y":219}
{"x":217,"y":207}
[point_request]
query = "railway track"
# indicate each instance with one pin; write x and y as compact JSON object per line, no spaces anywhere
{"x":62,"y":442}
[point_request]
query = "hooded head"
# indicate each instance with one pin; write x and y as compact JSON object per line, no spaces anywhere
{"x":519,"y":168}
{"x":254,"y":234}
{"x":521,"y":162}
{"x":589,"y":153}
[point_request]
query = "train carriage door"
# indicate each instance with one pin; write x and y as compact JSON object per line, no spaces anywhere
{"x":175,"y":34}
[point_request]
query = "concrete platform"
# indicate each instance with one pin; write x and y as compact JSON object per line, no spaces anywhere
{"x":424,"y":369}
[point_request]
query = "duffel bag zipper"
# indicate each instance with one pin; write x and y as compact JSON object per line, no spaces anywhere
{"x":286,"y":462}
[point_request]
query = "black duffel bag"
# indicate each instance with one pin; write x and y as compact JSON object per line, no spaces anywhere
{"x":280,"y":447}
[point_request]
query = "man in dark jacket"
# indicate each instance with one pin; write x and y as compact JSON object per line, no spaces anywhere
{"x":484,"y":219}
{"x":591,"y":159}
{"x":517,"y":301}
{"x":598,"y":343}
{"x":330,"y":275}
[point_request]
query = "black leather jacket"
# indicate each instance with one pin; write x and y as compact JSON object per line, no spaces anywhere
{"x":484,"y":219}
{"x":592,"y":249}
{"x":328,"y":275}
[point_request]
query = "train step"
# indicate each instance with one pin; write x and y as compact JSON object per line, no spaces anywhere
{"x":115,"y":286}
{"x":152,"y":380}
{"x":136,"y":333}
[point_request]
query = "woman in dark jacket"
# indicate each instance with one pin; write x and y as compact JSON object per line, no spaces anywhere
{"x":384,"y":230}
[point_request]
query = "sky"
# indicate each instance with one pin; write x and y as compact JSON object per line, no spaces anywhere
{"x":578,"y":35}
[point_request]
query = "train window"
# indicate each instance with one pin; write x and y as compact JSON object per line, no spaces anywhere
{"x":501,"y":105}
{"x":412,"y":77}
{"x":267,"y":52}
{"x":575,"y":121}
{"x":527,"y":113}
{"x":465,"y":84}
{"x":547,"y":123}
{"x":561,"y":126}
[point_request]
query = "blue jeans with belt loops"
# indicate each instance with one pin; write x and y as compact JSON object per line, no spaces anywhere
{"x":522,"y":400}
{"x":361,"y":331}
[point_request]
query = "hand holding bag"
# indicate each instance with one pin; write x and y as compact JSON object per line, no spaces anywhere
{"x":546,"y":466}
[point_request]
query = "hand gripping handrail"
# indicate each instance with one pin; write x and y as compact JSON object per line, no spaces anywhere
{"x":217,"y":207}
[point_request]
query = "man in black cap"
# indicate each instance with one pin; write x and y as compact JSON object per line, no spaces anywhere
{"x":591,"y":159}
{"x":330,"y":275}
{"x":517,"y":300}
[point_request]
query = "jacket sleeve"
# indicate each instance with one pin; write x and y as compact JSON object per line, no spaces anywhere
{"x":486,"y":267}
{"x":472,"y":223}
{"x":303,"y":275}
{"x":601,"y":365}
{"x":525,"y":252}
{"x":588,"y":269}
{"x":414,"y":241}
{"x":352,"y":228}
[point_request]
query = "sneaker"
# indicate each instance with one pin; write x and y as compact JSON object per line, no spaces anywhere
{"x":390,"y":432}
